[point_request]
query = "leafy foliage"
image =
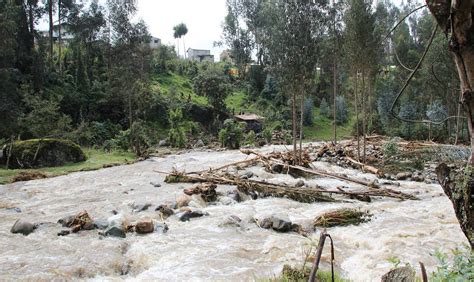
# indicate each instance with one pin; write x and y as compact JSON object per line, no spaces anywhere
{"x":231,"y":135}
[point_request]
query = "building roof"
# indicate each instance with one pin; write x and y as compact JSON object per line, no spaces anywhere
{"x":249,"y":117}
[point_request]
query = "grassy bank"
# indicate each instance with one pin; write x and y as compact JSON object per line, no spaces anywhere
{"x":322,"y":129}
{"x":95,"y":159}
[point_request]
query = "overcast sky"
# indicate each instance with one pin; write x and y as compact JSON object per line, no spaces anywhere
{"x":202,"y":17}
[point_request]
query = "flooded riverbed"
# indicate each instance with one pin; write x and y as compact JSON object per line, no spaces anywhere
{"x":201,"y":249}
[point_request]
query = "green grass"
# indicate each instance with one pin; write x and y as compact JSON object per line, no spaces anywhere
{"x":322,"y":129}
{"x":183,"y":87}
{"x":96,"y":159}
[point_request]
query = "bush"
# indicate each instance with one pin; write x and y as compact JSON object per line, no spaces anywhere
{"x":308,"y":112}
{"x":177,"y":133}
{"x":461,"y":268}
{"x":267,"y":135}
{"x":324,"y":109}
{"x":390,"y":148}
{"x":95,"y":133}
{"x":250,"y":138}
{"x":36,"y":153}
{"x":231,"y":135}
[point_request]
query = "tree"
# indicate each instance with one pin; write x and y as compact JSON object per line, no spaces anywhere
{"x":455,"y":18}
{"x":179,"y":31}
{"x":360,"y":48}
{"x":213,"y":84}
{"x":292,"y":34}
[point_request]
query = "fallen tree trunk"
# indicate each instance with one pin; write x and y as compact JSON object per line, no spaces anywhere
{"x":279,"y":190}
{"x":364,"y":167}
{"x":312,"y":171}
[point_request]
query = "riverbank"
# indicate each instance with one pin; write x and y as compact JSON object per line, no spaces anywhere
{"x":96,"y":159}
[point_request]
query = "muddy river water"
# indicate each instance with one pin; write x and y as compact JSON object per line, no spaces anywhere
{"x":202,"y":249}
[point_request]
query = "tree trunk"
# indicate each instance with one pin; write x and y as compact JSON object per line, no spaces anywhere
{"x":300,"y":158}
{"x":293,"y":122}
{"x":357,"y":115}
{"x":59,"y":36}
{"x":364,"y":118}
{"x":458,"y":119}
{"x":184,"y":48}
{"x":334,"y":97}
{"x":51,"y":27}
{"x":456,"y":17}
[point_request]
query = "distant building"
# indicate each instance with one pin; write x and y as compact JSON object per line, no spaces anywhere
{"x":66,"y":35}
{"x":155,"y":42}
{"x":200,"y":55}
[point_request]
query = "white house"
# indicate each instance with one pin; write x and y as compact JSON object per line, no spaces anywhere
{"x":200,"y":55}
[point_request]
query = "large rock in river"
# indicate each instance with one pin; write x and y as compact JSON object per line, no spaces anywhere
{"x":47,"y":152}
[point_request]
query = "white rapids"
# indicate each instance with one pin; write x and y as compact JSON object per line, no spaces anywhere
{"x":200,"y":250}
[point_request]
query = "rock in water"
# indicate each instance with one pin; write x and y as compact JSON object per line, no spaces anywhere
{"x":145,"y":226}
{"x":165,"y":210}
{"x":140,"y":207}
{"x":66,"y":221}
{"x":299,"y":183}
{"x":182,"y":201}
{"x":115,"y":231}
{"x":281,"y":225}
{"x":400,"y":274}
{"x":277,"y":168}
{"x":22,"y":227}
{"x":190,"y":214}
{"x":155,"y":184}
{"x":64,"y":232}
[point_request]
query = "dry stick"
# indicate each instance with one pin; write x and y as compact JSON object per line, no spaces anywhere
{"x":310,"y":171}
{"x":310,"y":191}
{"x":319,"y":252}
{"x":249,"y":162}
{"x":424,"y":276}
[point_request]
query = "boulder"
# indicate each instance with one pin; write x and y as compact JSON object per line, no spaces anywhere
{"x":66,"y":221}
{"x":64,"y":233}
{"x":402,"y":175}
{"x":234,"y":195}
{"x":231,"y":221}
{"x":144,"y":226}
{"x":22,"y":227}
{"x":192,"y":214}
{"x":155,"y":184}
{"x":140,"y":207}
{"x":115,"y":231}
{"x":165,"y":210}
{"x":247,"y":175}
{"x":281,"y":225}
{"x":199,"y":144}
{"x":182,"y":201}
{"x":400,"y":274}
{"x":299,"y":183}
{"x":46,"y":152}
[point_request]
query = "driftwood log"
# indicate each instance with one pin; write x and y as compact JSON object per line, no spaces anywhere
{"x":308,"y":194}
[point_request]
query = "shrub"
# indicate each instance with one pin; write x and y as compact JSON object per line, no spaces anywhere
{"x":250,"y":138}
{"x":324,"y":109}
{"x":231,"y":135}
{"x":390,"y":148}
{"x":460,"y":269}
{"x":47,"y":152}
{"x":267,"y":135}
{"x":177,"y":133}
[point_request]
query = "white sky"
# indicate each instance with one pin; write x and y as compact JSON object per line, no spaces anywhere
{"x":203,"y":18}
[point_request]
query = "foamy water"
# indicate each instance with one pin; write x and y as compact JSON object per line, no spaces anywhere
{"x":200,"y":249}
